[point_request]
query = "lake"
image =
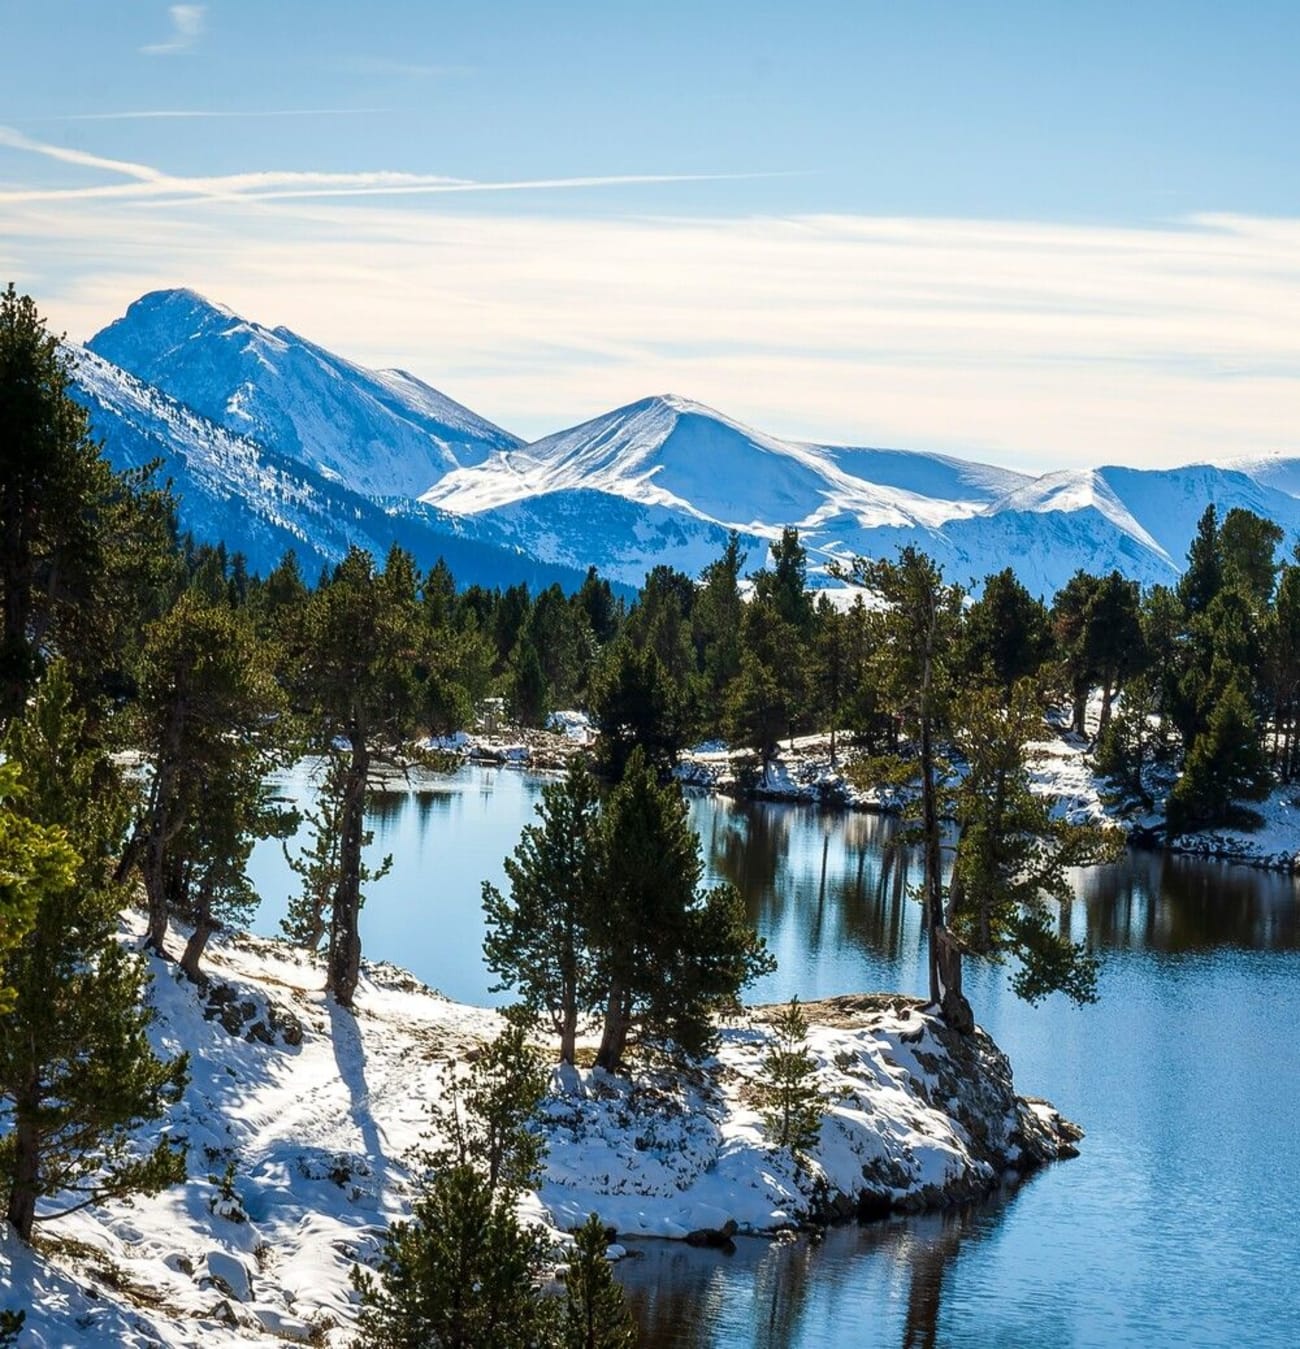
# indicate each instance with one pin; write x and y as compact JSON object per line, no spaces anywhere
{"x":1178,"y":1223}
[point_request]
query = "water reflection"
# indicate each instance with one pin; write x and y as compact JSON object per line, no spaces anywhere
{"x":1168,"y":903}
{"x":831,"y":893}
{"x":886,"y":1279}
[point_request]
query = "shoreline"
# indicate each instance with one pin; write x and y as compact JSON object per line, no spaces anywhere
{"x":320,"y":1111}
{"x":805,"y":775}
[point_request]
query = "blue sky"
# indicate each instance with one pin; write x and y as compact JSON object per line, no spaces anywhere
{"x":1046,"y":233}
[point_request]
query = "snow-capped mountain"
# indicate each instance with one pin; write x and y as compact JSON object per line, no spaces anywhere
{"x":324,"y":450}
{"x":670,"y":461}
{"x":261,"y":502}
{"x":380,"y":432}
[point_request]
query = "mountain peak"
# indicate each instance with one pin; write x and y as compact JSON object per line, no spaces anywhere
{"x":179,"y":301}
{"x":381,"y":434}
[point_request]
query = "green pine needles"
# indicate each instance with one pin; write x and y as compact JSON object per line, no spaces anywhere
{"x":77,"y":1074}
{"x":595,"y":1312}
{"x":792,"y":1103}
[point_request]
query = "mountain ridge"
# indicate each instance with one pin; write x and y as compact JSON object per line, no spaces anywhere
{"x":663,"y":479}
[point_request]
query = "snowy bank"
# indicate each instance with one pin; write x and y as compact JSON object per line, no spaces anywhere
{"x":916,"y":1117}
{"x":1061,"y":767}
{"x":300,"y":1119}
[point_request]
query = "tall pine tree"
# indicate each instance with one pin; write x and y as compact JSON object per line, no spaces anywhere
{"x":77,"y":1073}
{"x":538,"y":940}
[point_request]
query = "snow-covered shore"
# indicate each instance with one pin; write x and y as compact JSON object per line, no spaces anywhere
{"x":803,"y":770}
{"x":1060,"y":767}
{"x":318,"y":1111}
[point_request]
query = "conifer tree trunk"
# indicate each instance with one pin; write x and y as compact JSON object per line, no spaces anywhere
{"x":162,"y":828}
{"x":613,"y":1040}
{"x":345,"y":937}
{"x":15,"y":650}
{"x":26,"y":1164}
{"x":930,"y":830}
{"x":1107,"y":697}
{"x":204,"y":927}
{"x":569,"y":1022}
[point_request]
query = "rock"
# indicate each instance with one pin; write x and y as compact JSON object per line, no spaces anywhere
{"x":715,"y":1238}
{"x":288,"y":1025}
{"x":223,"y":1311}
{"x":229,"y":1273}
{"x":283,"y":1325}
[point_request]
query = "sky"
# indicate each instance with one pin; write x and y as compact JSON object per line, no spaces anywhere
{"x":1050,"y":235}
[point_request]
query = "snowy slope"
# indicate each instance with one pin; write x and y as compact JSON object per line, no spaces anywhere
{"x":672,"y":452}
{"x":319,"y":1111}
{"x":1169,"y":502}
{"x":261,"y":502}
{"x":380,"y":432}
{"x":625,"y":538}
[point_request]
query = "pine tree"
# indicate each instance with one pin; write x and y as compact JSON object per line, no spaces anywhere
{"x":756,"y":713}
{"x":595,"y":1312}
{"x":461,"y":1274}
{"x":529,"y":692}
{"x":1007,"y":635}
{"x":1124,"y":748}
{"x":595,"y":599}
{"x":770,"y":695}
{"x":1225,"y":766}
{"x":81,"y":547}
{"x":1070,"y":607}
{"x":1247,"y":543}
{"x":317,"y":864}
{"x":77,"y":1074}
{"x":715,"y":630}
{"x":35,"y":863}
{"x":668,"y":956}
{"x":210,"y":719}
{"x":636,"y":703}
{"x":1203,"y":578}
{"x":792,"y":1105}
{"x":1113,"y":638}
{"x":1012,"y":856}
{"x":916,"y":634}
{"x":485,"y":1117}
{"x":1284,"y":670}
{"x":538,"y":941}
{"x":785,"y":584}
{"x":360,"y":672}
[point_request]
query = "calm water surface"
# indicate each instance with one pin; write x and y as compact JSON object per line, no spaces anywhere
{"x":1178,"y":1224}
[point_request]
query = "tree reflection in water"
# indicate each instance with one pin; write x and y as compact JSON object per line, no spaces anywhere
{"x":784,"y":1294}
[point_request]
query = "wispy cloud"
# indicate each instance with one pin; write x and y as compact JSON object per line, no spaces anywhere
{"x":283,"y":185}
{"x":184,"y":114}
{"x":63,"y":154}
{"x":187,"y":27}
{"x":1038,"y":344}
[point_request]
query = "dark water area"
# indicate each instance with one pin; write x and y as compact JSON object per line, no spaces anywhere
{"x":1177,"y":1225}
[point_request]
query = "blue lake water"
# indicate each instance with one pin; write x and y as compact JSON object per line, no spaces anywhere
{"x":1178,"y":1225}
